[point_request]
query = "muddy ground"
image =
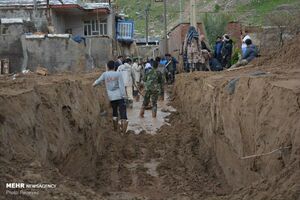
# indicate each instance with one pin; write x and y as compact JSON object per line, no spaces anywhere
{"x":228,"y":136}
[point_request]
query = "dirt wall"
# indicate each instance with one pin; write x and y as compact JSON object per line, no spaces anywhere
{"x":49,"y":121}
{"x":258,"y":115}
{"x":57,"y":129}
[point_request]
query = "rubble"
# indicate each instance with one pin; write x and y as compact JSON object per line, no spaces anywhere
{"x":42,"y":71}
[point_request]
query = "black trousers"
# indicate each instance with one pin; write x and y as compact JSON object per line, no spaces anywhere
{"x":121,"y":106}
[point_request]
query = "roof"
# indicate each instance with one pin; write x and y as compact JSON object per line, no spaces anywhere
{"x":55,"y":3}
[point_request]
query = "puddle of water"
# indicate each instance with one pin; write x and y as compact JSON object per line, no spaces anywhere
{"x":152,"y":167}
{"x":148,"y":124}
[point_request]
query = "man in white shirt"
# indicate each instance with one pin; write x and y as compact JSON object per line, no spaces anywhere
{"x":244,"y":37}
{"x":137,"y":70}
{"x":128,"y":77}
{"x":116,"y":93}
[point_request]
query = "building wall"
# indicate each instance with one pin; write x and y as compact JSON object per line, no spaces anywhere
{"x":58,"y":22}
{"x":63,"y":54}
{"x":55,"y":54}
{"x":37,"y":16}
{"x":148,"y":51}
{"x":176,"y":39}
{"x":177,"y":36}
{"x":100,"y":49}
{"x":75,"y":21}
{"x":11,"y":47}
{"x":111,"y":25}
{"x":233,"y":29}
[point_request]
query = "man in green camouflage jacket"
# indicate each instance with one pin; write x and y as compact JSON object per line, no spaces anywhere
{"x":153,"y":81}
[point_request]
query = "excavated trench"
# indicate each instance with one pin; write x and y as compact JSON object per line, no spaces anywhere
{"x":57,"y":130}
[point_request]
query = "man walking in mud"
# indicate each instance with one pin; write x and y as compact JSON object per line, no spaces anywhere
{"x":153,"y":81}
{"x":128,"y":78}
{"x":116,"y":93}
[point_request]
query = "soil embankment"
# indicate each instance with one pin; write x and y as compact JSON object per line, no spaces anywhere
{"x":46,"y":122}
{"x":235,"y":135}
{"x":57,"y":130}
{"x":247,"y":113}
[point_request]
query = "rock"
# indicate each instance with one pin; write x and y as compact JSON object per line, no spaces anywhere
{"x":30,"y":176}
{"x":42,"y":71}
{"x":35,"y":164}
{"x":165,"y":110}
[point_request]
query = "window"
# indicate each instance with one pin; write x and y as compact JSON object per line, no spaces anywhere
{"x":125,"y":30}
{"x":4,"y":29}
{"x":95,"y":27}
{"x":4,"y":66}
{"x":69,"y":31}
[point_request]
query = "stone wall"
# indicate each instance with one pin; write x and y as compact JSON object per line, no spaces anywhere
{"x":100,"y":49}
{"x":11,"y":47}
{"x":148,"y":51}
{"x":64,"y":54}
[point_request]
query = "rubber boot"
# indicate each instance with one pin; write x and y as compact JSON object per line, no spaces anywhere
{"x":137,"y":98}
{"x":115,"y":123}
{"x":131,"y":104}
{"x":142,"y":112}
{"x":154,"y":114}
{"x":124,"y":126}
{"x":161,"y":98}
{"x":120,"y":127}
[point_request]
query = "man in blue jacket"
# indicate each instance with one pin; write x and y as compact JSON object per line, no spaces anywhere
{"x":218,"y":49}
{"x":171,"y":68}
{"x":116,"y":93}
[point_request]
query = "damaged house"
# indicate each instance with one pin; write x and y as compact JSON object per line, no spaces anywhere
{"x":60,"y":35}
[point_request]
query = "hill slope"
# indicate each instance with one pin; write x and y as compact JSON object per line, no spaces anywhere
{"x":247,"y":11}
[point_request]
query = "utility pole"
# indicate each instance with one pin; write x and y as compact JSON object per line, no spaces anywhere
{"x":166,"y":27}
{"x":147,"y":22}
{"x":193,"y":20}
{"x":34,"y":4}
{"x":180,"y":10}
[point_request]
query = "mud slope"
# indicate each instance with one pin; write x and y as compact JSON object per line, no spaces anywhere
{"x":44,"y":123}
{"x":243,"y":113}
{"x":57,"y":130}
{"x":235,"y":135}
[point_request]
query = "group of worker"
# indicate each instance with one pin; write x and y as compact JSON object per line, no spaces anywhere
{"x":198,"y":56}
{"x":224,"y":49}
{"x":126,"y":79}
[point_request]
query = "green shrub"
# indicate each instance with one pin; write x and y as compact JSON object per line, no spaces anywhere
{"x":215,"y":24}
{"x":217,"y":8}
{"x":235,"y":56}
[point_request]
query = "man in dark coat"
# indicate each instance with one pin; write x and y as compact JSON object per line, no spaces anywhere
{"x":226,"y":52}
{"x":218,"y":49}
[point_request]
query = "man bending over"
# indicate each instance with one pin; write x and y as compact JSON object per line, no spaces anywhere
{"x":116,"y":93}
